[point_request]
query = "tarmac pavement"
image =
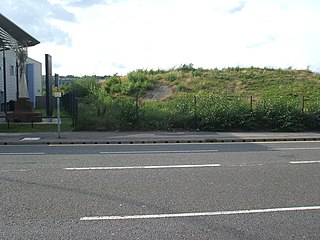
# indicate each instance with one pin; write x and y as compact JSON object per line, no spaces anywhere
{"x":151,"y":137}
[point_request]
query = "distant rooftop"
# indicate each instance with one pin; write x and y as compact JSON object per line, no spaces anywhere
{"x":11,"y":34}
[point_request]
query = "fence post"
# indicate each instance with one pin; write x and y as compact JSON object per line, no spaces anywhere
{"x":195,"y":112}
{"x":302,"y":109}
{"x":72,"y":108}
{"x":137,"y":108}
{"x":195,"y":106}
{"x":251,"y":103}
{"x":76,"y":110}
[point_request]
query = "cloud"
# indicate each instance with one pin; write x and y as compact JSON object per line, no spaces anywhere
{"x":85,"y":3}
{"x":118,"y":65}
{"x":35,"y":17}
{"x":110,"y":36}
{"x":263,"y":42}
{"x":237,"y":8}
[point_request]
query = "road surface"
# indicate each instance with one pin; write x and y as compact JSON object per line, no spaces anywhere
{"x":161,"y":191}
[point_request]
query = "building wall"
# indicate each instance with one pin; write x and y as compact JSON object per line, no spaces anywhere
{"x":11,"y":73}
{"x":34,"y":79}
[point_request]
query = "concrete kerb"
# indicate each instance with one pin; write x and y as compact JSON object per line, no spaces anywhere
{"x":143,"y":138}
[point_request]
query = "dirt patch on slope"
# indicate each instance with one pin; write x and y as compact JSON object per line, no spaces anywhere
{"x":160,"y":93}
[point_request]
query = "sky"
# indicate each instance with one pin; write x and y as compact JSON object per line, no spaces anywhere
{"x":106,"y":37}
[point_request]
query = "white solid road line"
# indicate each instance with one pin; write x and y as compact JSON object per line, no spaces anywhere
{"x":200,"y":214}
{"x":31,"y":153}
{"x":20,"y":170}
{"x":155,"y":152}
{"x":304,"y":162}
{"x":293,"y":149}
{"x":144,"y":167}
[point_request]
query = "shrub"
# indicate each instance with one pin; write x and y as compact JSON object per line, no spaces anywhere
{"x":138,"y":82}
{"x":113,"y":85}
{"x":83,"y":86}
{"x":279,"y":114}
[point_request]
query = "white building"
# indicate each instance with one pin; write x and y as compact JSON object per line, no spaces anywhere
{"x":34,"y":79}
{"x":12,"y":36}
{"x":33,"y":75}
{"x":11,"y":77}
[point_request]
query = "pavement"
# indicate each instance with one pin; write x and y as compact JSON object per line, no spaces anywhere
{"x":118,"y":137}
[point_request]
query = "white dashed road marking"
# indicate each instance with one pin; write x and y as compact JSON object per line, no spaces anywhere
{"x":144,"y":167}
{"x":200,"y":214}
{"x":304,"y":162}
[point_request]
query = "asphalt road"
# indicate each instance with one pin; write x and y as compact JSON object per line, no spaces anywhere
{"x":161,"y":191}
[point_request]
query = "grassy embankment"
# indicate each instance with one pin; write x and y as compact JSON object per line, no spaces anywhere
{"x":227,"y":99}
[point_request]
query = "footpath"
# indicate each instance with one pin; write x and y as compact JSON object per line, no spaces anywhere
{"x":150,"y":137}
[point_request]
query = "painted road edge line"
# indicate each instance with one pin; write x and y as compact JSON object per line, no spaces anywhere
{"x":143,"y":167}
{"x":200,"y":214}
{"x":304,"y":162}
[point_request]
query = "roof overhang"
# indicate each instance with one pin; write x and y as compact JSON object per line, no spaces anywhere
{"x":10,"y":32}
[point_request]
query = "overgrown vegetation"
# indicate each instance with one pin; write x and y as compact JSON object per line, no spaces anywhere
{"x":202,"y":99}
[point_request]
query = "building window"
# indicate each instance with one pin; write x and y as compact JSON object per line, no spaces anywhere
{"x":11,"y":70}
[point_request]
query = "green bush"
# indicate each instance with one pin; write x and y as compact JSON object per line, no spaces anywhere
{"x":279,"y":114}
{"x":113,"y":85}
{"x":207,"y":112}
{"x":171,"y":77}
{"x":154,"y":116}
{"x":138,"y":82}
{"x":83,"y":86}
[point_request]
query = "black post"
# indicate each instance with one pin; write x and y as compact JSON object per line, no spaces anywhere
{"x":76,"y":111}
{"x":17,"y":78}
{"x":195,"y":118}
{"x":49,"y":107}
{"x":137,"y":108}
{"x":251,"y":102}
{"x":195,"y":106}
{"x":302,"y":104}
{"x":74,"y":107}
{"x":4,"y":79}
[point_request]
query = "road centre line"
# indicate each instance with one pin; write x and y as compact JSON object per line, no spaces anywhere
{"x":167,"y":151}
{"x":143,"y":167}
{"x":200,"y":214}
{"x":304,"y":162}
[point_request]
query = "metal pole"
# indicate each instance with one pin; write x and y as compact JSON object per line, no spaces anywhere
{"x":17,"y":78}
{"x":59,"y":118}
{"x":137,"y":108}
{"x":195,"y":106}
{"x":4,"y":79}
{"x":195,"y":117}
{"x":58,"y":105}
